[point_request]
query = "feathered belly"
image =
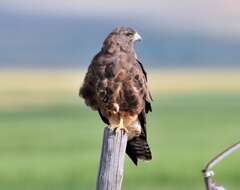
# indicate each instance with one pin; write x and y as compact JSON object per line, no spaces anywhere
{"x":120,"y":97}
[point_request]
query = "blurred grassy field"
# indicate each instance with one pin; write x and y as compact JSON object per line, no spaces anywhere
{"x":49,"y":140}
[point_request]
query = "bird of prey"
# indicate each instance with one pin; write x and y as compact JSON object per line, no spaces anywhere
{"x":115,"y":85}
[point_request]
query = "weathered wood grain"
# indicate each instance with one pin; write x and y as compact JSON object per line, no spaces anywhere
{"x":111,"y":167}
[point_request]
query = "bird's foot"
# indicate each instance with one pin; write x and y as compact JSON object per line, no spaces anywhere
{"x":119,"y":129}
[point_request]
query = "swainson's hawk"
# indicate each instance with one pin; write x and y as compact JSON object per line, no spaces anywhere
{"x":116,"y":86}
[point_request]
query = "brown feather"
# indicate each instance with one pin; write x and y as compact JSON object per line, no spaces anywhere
{"x":116,"y":77}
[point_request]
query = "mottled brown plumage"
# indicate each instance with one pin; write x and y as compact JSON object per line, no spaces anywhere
{"x":116,"y":86}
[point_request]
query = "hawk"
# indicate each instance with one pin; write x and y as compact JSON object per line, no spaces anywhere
{"x":115,"y":85}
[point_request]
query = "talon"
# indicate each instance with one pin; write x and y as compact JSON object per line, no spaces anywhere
{"x":115,"y":130}
{"x":125,"y":131}
{"x":121,"y":127}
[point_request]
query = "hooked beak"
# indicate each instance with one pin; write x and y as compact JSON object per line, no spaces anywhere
{"x":137,"y":37}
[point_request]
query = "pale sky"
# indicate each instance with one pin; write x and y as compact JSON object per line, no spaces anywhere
{"x":217,"y":17}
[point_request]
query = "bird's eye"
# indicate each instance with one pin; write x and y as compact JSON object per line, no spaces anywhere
{"x":129,"y":34}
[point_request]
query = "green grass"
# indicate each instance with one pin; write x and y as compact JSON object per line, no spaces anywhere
{"x":57,"y":147}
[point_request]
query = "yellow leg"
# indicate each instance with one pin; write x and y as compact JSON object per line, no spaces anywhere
{"x":121,"y":127}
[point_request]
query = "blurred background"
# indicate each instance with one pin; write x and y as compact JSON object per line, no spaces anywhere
{"x":49,"y":140}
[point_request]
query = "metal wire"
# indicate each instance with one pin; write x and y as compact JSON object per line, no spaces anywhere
{"x":207,"y":171}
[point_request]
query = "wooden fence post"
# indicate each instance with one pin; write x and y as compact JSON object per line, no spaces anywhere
{"x":111,"y":167}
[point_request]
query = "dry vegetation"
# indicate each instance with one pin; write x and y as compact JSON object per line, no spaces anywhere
{"x":23,"y":88}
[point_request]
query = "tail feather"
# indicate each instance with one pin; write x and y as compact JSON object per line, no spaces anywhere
{"x":138,"y":148}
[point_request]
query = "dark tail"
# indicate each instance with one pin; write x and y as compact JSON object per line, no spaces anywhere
{"x":138,"y":148}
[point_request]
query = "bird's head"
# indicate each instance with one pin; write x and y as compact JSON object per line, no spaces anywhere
{"x":121,"y":38}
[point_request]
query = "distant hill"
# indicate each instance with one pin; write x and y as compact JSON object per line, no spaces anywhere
{"x":45,"y":41}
